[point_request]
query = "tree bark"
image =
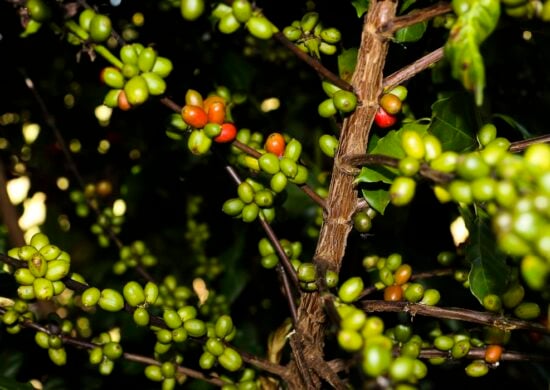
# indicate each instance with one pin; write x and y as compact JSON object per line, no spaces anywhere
{"x":342,"y":198}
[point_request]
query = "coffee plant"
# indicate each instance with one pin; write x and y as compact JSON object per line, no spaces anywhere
{"x":274,"y":195}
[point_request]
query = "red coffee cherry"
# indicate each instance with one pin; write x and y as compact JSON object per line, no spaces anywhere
{"x":228,"y":133}
{"x":383,"y":119}
{"x":194,"y":116}
{"x":275,"y":143}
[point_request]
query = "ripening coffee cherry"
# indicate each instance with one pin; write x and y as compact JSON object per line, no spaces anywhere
{"x":493,"y":353}
{"x":383,"y":119}
{"x":227,"y":134}
{"x":216,"y":112}
{"x":275,"y":143}
{"x":100,"y":28}
{"x":191,"y":9}
{"x":194,"y":116}
{"x":390,"y":103}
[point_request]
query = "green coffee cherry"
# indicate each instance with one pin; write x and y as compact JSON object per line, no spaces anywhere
{"x":376,"y":360}
{"x":228,"y":24}
{"x":155,"y":83}
{"x":58,"y":356}
{"x":269,"y":163}
{"x":460,"y":349}
{"x":328,"y":144}
{"x":260,"y":27}
{"x":413,"y":144}
{"x":350,"y":340}
{"x":242,"y":9}
{"x":230,"y":359}
{"x":444,"y":343}
{"x":43,"y":289}
{"x":136,"y":90}
{"x":153,"y":373}
{"x":207,"y":360}
{"x":57,"y":270}
{"x":351,"y":289}
{"x":195,"y":327}
{"x":111,"y":300}
{"x":527,"y":311}
{"x":100,"y":28}
{"x":309,"y":21}
{"x":402,"y":190}
{"x":477,"y":368}
{"x":327,"y":108}
{"x":345,"y":101}
{"x":191,"y":9}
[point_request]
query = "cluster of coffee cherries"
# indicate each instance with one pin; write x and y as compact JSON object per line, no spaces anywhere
{"x":107,"y":223}
{"x":141,"y":74}
{"x":364,"y":334}
{"x":231,"y":17}
{"x":512,"y":300}
{"x":37,"y":13}
{"x":208,"y":119}
{"x":88,"y":197}
{"x":390,"y":105}
{"x":97,"y":25}
{"x":527,"y":9}
{"x":15,"y":313}
{"x":312,"y":37}
{"x":133,"y":255}
{"x":254,"y":200}
{"x":339,"y":101}
{"x":215,"y":349}
{"x":52,"y":338}
{"x":46,"y":266}
{"x":107,"y":349}
{"x":393,"y":277}
{"x":514,"y":188}
{"x":418,"y":148}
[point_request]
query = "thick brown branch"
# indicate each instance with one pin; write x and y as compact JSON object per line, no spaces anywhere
{"x":413,"y":69}
{"x":415,"y":16}
{"x":451,"y":313}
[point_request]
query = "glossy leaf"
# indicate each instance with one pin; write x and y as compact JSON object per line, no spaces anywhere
{"x":454,"y":122}
{"x":412,"y":33}
{"x":489,"y":272}
{"x":378,"y":199}
{"x":462,"y":48}
{"x":514,"y":124}
{"x":361,"y":6}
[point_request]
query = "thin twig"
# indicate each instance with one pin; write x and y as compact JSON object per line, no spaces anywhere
{"x":412,"y":69}
{"x":519,"y":146}
{"x":452,"y":313}
{"x":479,"y":353}
{"x":287,"y":268}
{"x":314,"y":63}
{"x":415,"y":16}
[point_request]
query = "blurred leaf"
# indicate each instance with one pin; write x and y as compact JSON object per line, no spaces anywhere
{"x":361,"y":6}
{"x":412,"y":33}
{"x":454,"y":122}
{"x":346,"y":63}
{"x":378,"y":199}
{"x":235,"y":277}
{"x":462,"y":48}
{"x":514,"y":124}
{"x":406,"y":5}
{"x":489,"y":272}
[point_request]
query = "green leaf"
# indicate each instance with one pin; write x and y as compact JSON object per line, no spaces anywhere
{"x":489,"y":272}
{"x":412,"y":33}
{"x":373,"y":175}
{"x":462,"y":48}
{"x":346,"y":63}
{"x":378,"y":199}
{"x":514,"y":124}
{"x":406,"y":5}
{"x":454,"y":122}
{"x":361,"y":6}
